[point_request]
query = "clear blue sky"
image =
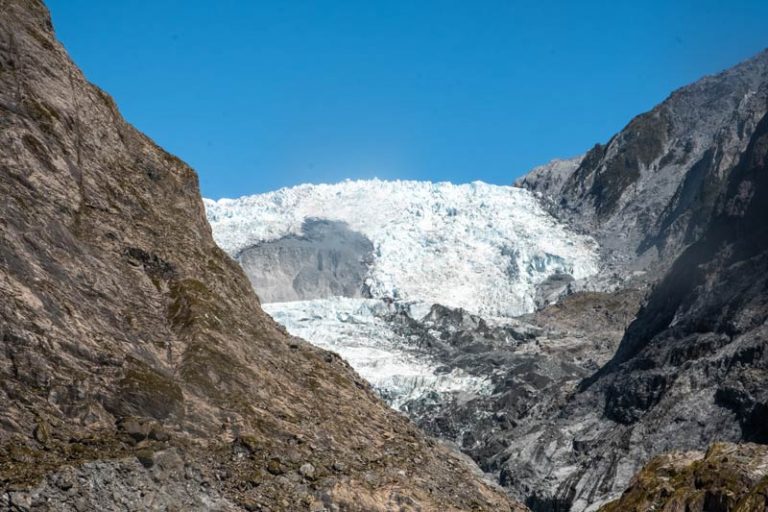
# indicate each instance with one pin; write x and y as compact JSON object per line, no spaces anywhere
{"x":257,"y":95}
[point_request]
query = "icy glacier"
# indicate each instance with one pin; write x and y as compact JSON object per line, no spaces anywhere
{"x":357,"y":329}
{"x":477,"y":246}
{"x":480,"y":247}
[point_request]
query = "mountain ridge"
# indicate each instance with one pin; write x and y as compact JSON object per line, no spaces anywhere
{"x":686,"y":371}
{"x":647,"y":193}
{"x":137,"y":367}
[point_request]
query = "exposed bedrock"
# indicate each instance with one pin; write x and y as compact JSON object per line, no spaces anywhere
{"x":327,"y":260}
{"x":690,"y":369}
{"x":137,"y":369}
{"x":649,"y":192}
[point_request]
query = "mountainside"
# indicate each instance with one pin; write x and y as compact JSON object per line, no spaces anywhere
{"x":690,"y":369}
{"x":441,"y":258}
{"x":564,"y":404}
{"x":726,"y":477}
{"x":137,"y":368}
{"x":651,"y":190}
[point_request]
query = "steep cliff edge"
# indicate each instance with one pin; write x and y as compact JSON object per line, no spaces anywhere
{"x":137,"y":367}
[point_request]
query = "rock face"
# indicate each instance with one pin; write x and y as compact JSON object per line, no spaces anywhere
{"x":689,"y":370}
{"x":651,"y":190}
{"x":137,"y":368}
{"x":548,"y":179}
{"x":327,"y":260}
{"x":727,"y":477}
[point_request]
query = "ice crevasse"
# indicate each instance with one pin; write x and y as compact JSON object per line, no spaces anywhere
{"x":477,"y":246}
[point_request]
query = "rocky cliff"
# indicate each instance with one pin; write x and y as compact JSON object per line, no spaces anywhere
{"x":689,"y":370}
{"x":651,"y":190}
{"x":137,"y":368}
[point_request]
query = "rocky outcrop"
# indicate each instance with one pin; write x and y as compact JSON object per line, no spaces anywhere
{"x":548,"y":179}
{"x":137,"y":369}
{"x":689,"y":370}
{"x":327,"y":260}
{"x":727,"y":477}
{"x":651,"y":190}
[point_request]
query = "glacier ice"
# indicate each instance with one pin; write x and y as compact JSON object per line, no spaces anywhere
{"x":357,"y":330}
{"x":480,"y":247}
{"x":477,"y":246}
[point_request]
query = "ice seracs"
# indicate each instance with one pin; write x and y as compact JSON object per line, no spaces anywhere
{"x":358,"y":330}
{"x":477,"y":246}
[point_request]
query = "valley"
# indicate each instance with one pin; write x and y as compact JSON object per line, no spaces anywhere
{"x":588,"y":337}
{"x":496,"y":318}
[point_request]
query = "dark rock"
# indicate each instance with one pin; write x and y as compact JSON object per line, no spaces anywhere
{"x":275,"y":467}
{"x":137,"y":429}
{"x":146,"y":458}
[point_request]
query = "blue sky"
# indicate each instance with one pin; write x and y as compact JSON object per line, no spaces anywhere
{"x":259,"y":95}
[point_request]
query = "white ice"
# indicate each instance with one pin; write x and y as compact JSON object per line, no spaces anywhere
{"x":357,"y":331}
{"x":477,"y":246}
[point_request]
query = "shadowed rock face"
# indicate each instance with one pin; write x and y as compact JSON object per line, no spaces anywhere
{"x":136,"y":365}
{"x":327,"y":260}
{"x":690,"y":369}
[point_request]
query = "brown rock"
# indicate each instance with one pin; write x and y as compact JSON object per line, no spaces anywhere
{"x":116,"y":303}
{"x":728,"y":477}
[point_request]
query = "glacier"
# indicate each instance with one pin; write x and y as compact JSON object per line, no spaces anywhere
{"x":357,"y":329}
{"x":479,"y":247}
{"x":475,"y":246}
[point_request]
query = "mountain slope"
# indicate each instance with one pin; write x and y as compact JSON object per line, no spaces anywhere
{"x":690,"y":368}
{"x":650,"y":191}
{"x":137,"y":368}
{"x":727,"y":477}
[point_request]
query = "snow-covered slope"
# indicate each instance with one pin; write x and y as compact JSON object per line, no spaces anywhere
{"x":480,"y":247}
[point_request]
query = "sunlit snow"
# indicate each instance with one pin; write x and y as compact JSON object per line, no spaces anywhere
{"x":476,"y":246}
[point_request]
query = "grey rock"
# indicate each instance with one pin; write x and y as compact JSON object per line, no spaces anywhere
{"x":307,"y":470}
{"x":328,"y":259}
{"x":120,"y":485}
{"x":548,"y":179}
{"x":650,"y":191}
{"x":689,"y":370}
